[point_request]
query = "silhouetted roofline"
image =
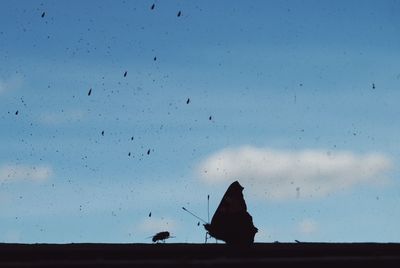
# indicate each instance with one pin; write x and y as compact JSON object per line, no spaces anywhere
{"x":196,"y":255}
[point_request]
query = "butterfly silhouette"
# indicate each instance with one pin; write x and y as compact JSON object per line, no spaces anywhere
{"x":231,"y":221}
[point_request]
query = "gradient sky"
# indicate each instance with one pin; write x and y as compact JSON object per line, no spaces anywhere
{"x":298,"y":100}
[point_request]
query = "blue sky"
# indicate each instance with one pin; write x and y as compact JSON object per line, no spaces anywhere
{"x":303,"y":98}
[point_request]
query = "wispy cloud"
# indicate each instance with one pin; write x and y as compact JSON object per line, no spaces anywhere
{"x":12,"y":83}
{"x":307,"y":226}
{"x":67,"y":116}
{"x":9,"y":173}
{"x":281,"y":174}
{"x":11,"y":236}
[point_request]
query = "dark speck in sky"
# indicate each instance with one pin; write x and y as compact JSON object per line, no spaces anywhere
{"x":179,"y":14}
{"x":125,"y":73}
{"x":16,"y":113}
{"x":155,"y":58}
{"x":102,"y":133}
{"x":188,"y":101}
{"x":129,"y":154}
{"x":373,"y":85}
{"x":198,"y":223}
{"x":90,"y":92}
{"x":210,"y":118}
{"x":43,"y":14}
{"x":148,"y":151}
{"x":150,"y":214}
{"x":152,"y":6}
{"x":132,"y":138}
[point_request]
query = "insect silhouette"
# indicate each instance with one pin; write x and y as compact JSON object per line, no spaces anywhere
{"x":161,"y":236}
{"x":188,"y":101}
{"x":231,"y":221}
{"x":126,"y":72}
{"x":90,"y":92}
{"x":179,"y":14}
{"x":43,"y":14}
{"x":152,"y":6}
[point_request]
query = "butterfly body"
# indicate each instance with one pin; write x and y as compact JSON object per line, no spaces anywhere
{"x":231,"y":221}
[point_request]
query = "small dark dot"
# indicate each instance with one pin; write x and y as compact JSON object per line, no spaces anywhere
{"x":179,"y":14}
{"x":125,"y":74}
{"x":188,"y":101}
{"x":152,"y":6}
{"x":150,"y":214}
{"x":102,"y":133}
{"x":43,"y":14}
{"x":129,"y":154}
{"x":90,"y":92}
{"x":155,"y":58}
{"x":148,"y":151}
{"x":210,"y":118}
{"x":16,"y":113}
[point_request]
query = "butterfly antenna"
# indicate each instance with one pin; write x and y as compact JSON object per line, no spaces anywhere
{"x":193,"y":214}
{"x":208,"y":208}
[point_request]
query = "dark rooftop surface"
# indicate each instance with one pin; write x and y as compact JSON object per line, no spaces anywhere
{"x":200,"y":255}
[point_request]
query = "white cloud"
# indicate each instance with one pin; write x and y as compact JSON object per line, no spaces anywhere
{"x":12,"y":83}
{"x":282,"y":174}
{"x":153,"y":225}
{"x":307,"y":226}
{"x":10,"y":173}
{"x":69,"y":116}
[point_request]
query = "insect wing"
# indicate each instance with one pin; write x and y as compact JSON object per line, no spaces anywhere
{"x":231,"y":221}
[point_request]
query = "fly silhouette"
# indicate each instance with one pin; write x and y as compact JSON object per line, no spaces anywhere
{"x":231,"y":221}
{"x":161,"y":236}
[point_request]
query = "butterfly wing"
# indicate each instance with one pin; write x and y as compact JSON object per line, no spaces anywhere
{"x":231,"y":221}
